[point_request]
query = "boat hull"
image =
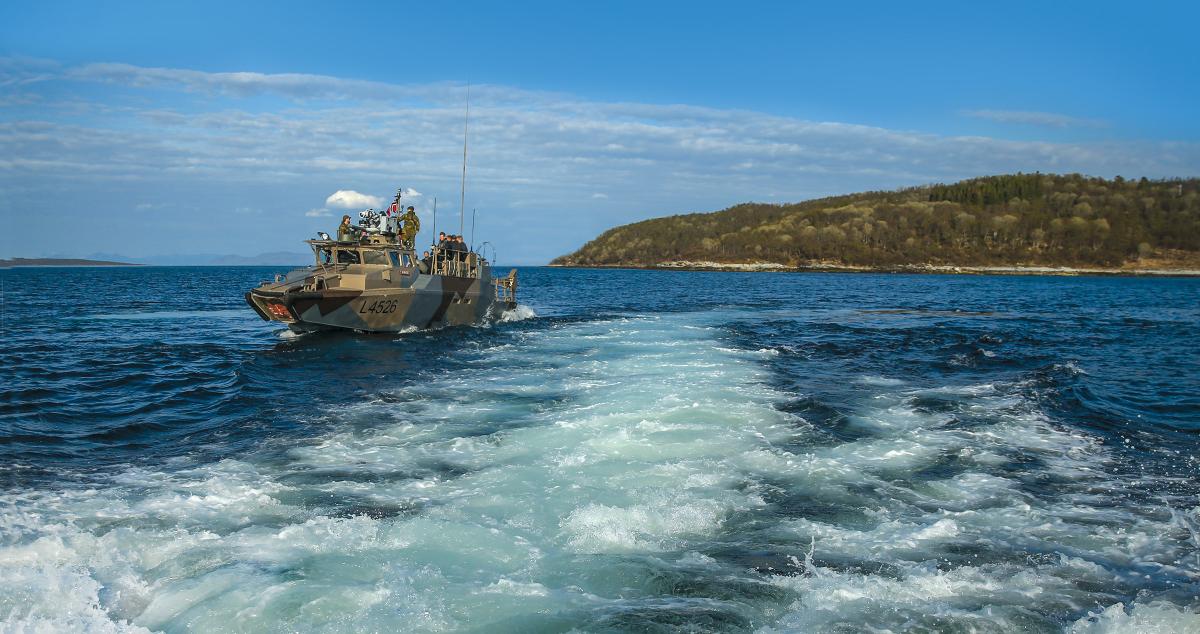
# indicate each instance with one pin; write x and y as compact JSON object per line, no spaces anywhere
{"x":429,"y":301}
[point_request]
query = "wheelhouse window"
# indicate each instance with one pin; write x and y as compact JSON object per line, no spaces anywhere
{"x":375,"y":257}
{"x":346,"y":256}
{"x":395,"y":259}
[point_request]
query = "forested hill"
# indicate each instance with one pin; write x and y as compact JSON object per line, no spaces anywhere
{"x":1022,"y":219}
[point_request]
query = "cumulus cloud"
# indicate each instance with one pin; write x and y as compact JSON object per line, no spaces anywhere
{"x":350,"y":199}
{"x":1029,"y":117}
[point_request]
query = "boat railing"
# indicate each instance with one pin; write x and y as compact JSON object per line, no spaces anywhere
{"x":506,"y":288}
{"x":455,"y":263}
{"x":442,"y":260}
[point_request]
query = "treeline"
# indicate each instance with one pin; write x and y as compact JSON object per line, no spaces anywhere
{"x":1031,"y":219}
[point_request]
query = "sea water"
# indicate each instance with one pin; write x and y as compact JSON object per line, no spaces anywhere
{"x":627,"y":451}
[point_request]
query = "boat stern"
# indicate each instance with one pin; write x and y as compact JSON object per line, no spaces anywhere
{"x":271,"y":306}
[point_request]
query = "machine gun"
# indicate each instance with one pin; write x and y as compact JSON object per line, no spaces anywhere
{"x":372,"y":221}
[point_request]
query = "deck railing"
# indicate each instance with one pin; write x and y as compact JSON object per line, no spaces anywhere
{"x":454,"y":263}
{"x":506,"y":288}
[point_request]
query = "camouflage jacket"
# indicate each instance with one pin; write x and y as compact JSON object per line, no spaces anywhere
{"x":412,"y":224}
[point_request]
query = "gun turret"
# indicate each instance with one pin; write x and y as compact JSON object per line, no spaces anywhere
{"x":371,"y":221}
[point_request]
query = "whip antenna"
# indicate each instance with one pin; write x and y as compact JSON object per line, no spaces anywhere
{"x":462,"y":195}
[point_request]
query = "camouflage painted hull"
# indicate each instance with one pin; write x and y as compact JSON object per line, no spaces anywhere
{"x":399,"y":300}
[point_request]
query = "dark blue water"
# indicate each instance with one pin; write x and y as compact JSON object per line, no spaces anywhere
{"x":647,"y":451}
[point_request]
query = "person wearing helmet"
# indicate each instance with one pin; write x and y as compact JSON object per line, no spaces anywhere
{"x":347,"y":232}
{"x":411,"y":226}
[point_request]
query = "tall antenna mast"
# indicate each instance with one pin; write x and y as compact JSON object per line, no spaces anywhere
{"x":435,"y":219}
{"x":462,"y":195}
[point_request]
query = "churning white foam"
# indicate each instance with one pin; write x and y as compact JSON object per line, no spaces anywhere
{"x":1153,"y":618}
{"x":473,"y":487}
{"x":521,"y":312}
{"x":978,"y":547}
{"x":586,"y":471}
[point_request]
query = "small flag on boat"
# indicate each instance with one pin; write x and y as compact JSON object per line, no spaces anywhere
{"x":393,"y":208}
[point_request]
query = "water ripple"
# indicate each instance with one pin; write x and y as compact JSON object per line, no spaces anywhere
{"x":650,"y":451}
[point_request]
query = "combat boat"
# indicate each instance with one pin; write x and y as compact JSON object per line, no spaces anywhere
{"x":377,"y":284}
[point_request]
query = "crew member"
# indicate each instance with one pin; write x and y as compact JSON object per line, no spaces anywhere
{"x":347,"y":232}
{"x":412,"y":225}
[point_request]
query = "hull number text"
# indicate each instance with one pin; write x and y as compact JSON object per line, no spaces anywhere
{"x":379,"y":307}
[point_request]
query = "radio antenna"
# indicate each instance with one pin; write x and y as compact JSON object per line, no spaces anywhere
{"x":462,"y":195}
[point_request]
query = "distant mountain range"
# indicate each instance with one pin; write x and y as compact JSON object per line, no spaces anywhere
{"x":1017,"y":220}
{"x":278,"y":258}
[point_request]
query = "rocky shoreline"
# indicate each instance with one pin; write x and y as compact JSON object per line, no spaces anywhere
{"x":827,"y":267}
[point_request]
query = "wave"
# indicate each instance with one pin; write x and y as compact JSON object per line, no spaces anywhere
{"x":635,"y":472}
{"x":171,"y":314}
{"x":520,"y":313}
{"x":1155,"y":617}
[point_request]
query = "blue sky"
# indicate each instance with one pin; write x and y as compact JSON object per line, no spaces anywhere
{"x":151,"y":128}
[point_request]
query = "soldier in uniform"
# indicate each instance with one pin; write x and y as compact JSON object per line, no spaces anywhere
{"x":346,"y":232}
{"x":412,"y":225}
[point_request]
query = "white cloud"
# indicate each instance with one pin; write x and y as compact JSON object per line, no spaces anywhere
{"x":544,"y":159}
{"x":1029,"y":117}
{"x":19,"y":70}
{"x":236,"y":83}
{"x":350,"y":199}
{"x":300,"y":86}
